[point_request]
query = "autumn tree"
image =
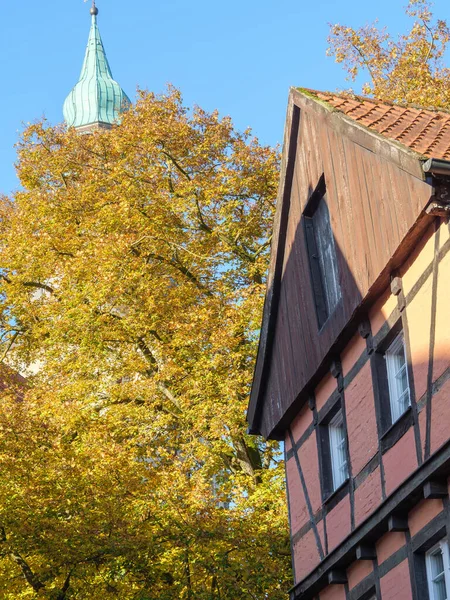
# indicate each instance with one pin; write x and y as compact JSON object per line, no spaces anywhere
{"x":132,"y":279}
{"x":407,"y":69}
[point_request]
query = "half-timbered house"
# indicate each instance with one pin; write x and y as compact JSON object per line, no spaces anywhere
{"x":353,"y":367}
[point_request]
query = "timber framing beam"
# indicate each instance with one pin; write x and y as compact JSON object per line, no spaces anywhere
{"x":407,"y":495}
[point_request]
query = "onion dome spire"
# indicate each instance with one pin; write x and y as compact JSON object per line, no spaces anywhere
{"x":96,"y":100}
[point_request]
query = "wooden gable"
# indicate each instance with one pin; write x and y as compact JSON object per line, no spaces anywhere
{"x":376,"y":192}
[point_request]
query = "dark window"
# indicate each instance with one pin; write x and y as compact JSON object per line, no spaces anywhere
{"x":397,"y":376}
{"x":391,"y":385}
{"x":338,"y":450}
{"x":321,"y":255}
{"x":333,"y":449}
{"x":438,"y":571}
{"x":431,"y":563}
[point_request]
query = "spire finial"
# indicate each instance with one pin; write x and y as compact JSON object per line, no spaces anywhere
{"x":97,"y":100}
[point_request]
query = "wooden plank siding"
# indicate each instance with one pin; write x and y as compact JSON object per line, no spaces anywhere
{"x":375,"y":194}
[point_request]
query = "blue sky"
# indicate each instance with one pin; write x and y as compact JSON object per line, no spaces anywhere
{"x":240,"y":56}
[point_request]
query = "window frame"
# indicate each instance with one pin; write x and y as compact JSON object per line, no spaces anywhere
{"x":442,"y":545}
{"x":330,"y":493}
{"x":391,"y":373}
{"x":322,"y":297}
{"x":389,"y":431}
{"x":337,"y":423}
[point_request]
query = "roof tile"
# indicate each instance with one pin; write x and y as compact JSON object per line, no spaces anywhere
{"x":424,"y":130}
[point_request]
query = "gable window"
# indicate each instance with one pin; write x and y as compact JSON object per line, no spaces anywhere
{"x":321,"y":254}
{"x":338,"y":450}
{"x":397,"y":376}
{"x":438,"y":575}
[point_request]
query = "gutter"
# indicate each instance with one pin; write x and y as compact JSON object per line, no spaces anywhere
{"x":437,"y":167}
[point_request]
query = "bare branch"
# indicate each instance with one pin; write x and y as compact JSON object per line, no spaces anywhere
{"x":431,"y":45}
{"x":365,"y":61}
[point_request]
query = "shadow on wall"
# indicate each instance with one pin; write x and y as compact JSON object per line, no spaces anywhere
{"x":313,"y":296}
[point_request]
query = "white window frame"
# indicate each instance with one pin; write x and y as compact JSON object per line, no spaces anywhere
{"x":337,"y":439}
{"x":443,"y":547}
{"x":395,"y":399}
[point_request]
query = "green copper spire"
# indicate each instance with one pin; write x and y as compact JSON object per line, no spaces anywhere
{"x":96,"y":100}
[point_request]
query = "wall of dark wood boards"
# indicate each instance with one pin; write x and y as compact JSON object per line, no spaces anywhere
{"x":373,"y":203}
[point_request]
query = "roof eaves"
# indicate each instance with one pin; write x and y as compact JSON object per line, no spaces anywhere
{"x":350,"y":95}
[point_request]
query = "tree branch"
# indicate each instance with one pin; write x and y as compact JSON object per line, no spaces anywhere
{"x":203,"y":225}
{"x":365,"y":62}
{"x":431,"y":45}
{"x":148,"y":354}
{"x":10,"y":345}
{"x":182,"y":269}
{"x":177,"y":165}
{"x":168,"y":394}
{"x":38,"y":285}
{"x":30,"y":577}
{"x":62,"y":595}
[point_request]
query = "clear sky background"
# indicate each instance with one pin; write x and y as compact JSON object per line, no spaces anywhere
{"x":240,"y":56}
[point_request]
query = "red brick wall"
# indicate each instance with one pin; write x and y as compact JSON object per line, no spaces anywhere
{"x":310,"y":466}
{"x":396,"y":584}
{"x":352,"y":352}
{"x":297,"y":504}
{"x":306,"y":555}
{"x":300,"y":424}
{"x":324,"y":390}
{"x":338,"y":523}
{"x":358,"y":571}
{"x":422,"y":514}
{"x":361,"y":419}
{"x":442,"y":342}
{"x":368,"y":496}
{"x":395,"y":580}
{"x":333,"y":592}
{"x":398,"y":461}
{"x":388,"y":544}
{"x":440,"y":417}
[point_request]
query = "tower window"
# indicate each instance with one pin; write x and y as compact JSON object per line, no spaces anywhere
{"x":322,"y":255}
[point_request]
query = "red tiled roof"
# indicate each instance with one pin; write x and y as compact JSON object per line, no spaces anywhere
{"x":424,"y":130}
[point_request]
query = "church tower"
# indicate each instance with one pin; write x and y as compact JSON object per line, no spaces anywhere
{"x":97,"y":99}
